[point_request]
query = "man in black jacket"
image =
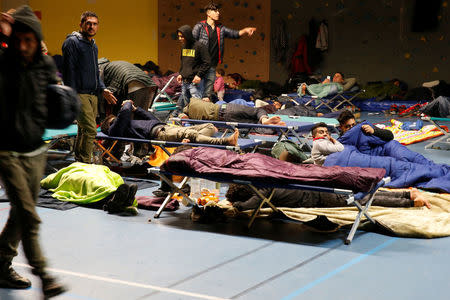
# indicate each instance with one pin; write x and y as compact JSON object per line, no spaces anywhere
{"x":194,"y":65}
{"x":25,"y":74}
{"x":347,"y":121}
{"x":80,"y":72}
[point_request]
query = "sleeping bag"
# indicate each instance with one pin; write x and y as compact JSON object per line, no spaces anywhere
{"x":405,"y":167}
{"x":228,"y":165}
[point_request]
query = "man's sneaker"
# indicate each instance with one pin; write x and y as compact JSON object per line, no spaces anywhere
{"x":11,"y":280}
{"x":51,"y":287}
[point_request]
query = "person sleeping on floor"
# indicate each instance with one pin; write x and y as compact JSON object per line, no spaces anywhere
{"x":243,"y":198}
{"x":134,"y":122}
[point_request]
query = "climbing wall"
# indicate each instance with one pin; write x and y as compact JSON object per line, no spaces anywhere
{"x":371,"y":39}
{"x":249,"y":56}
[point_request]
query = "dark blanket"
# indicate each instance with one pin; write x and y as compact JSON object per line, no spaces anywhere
{"x":254,"y":166}
{"x":405,"y":167}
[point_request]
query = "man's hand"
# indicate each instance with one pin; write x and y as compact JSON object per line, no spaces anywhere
{"x":196,"y":79}
{"x":179,"y":78}
{"x":5,"y":24}
{"x":247,"y":30}
{"x":367,"y":129}
{"x":332,"y":139}
{"x":109,"y":97}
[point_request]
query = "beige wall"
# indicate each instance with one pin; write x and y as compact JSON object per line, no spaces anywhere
{"x":249,"y":56}
{"x":128,"y":29}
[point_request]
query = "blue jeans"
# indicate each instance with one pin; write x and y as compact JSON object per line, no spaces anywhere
{"x":189,"y":90}
{"x":209,"y":79}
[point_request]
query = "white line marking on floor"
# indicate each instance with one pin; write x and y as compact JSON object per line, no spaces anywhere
{"x":118,"y":281}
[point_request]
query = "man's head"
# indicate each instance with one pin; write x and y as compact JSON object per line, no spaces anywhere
{"x":89,"y":24}
{"x":338,"y":77}
{"x":320,"y":130}
{"x":346,"y":121}
{"x":212,"y":11}
{"x":106,"y":124}
{"x":185,"y":36}
{"x":238,"y":193}
{"x":26,"y":34}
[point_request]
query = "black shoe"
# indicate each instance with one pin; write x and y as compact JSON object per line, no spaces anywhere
{"x":119,"y":200}
{"x":132,"y":193}
{"x":51,"y":287}
{"x":160,"y":193}
{"x":11,"y":280}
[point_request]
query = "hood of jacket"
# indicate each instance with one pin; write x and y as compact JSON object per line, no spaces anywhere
{"x":25,"y":16}
{"x":186,"y":31}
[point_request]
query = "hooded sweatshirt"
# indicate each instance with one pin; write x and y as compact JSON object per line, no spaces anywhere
{"x":23,"y":103}
{"x":194,"y":56}
{"x":80,"y":68}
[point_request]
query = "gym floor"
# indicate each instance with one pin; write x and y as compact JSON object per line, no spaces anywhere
{"x":101,"y":256}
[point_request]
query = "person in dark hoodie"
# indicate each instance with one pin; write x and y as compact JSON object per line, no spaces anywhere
{"x":194,"y":65}
{"x":134,"y":122}
{"x":25,"y":74}
{"x":80,"y":72}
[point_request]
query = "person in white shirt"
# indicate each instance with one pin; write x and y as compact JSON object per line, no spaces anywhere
{"x":323,"y":143}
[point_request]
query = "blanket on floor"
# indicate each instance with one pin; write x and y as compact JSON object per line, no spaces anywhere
{"x":405,"y":167}
{"x":407,"y":137}
{"x":418,"y":222}
{"x":82,"y":183}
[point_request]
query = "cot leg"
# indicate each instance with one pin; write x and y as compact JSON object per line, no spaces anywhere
{"x":263,"y":200}
{"x":176,"y":189}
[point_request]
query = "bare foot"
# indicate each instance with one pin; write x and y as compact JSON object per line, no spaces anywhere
{"x":233,"y":139}
{"x":419,"y":199}
{"x":271,"y":121}
{"x":419,"y":202}
{"x":186,"y":141}
{"x":303,"y":89}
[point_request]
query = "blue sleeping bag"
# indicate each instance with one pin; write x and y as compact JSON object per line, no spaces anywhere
{"x":405,"y":167}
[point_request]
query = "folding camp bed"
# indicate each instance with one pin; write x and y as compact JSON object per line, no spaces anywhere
{"x":330,"y":102}
{"x":443,"y":139}
{"x":331,"y":122}
{"x":52,"y":136}
{"x":242,"y":144}
{"x":255,"y":185}
{"x":292,"y":128}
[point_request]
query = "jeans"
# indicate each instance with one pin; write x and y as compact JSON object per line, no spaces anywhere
{"x":209,"y":79}
{"x":189,"y":90}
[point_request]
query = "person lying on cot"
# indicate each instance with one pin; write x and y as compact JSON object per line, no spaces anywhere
{"x":243,"y":198}
{"x":201,"y":110}
{"x":328,"y":87}
{"x":347,"y":120}
{"x":134,"y":122}
{"x":323,"y":143}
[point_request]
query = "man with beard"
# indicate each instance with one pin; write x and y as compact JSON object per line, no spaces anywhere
{"x":80,"y":71}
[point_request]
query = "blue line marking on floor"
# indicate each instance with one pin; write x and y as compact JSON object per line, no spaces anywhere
{"x":339,"y":269}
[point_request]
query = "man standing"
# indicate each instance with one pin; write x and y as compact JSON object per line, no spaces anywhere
{"x":211,"y":33}
{"x":80,"y":71}
{"x":25,"y":74}
{"x":194,"y":65}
